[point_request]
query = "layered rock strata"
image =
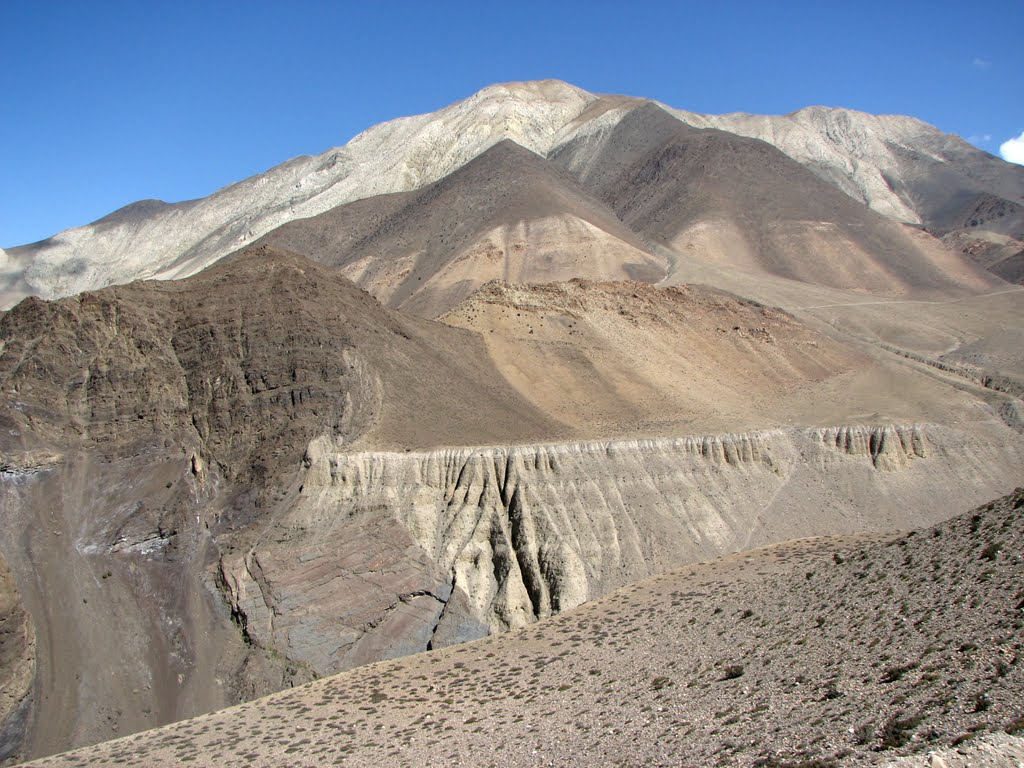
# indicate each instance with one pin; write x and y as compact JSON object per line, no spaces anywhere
{"x":496,"y":537}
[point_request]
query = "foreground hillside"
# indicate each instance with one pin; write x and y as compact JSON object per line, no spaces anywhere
{"x":815,"y":652}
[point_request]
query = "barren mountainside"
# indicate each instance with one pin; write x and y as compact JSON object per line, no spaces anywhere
{"x":489,"y":377}
{"x":824,"y":651}
{"x":898,"y":166}
{"x":743,"y":202}
{"x":260,"y":475}
{"x":507,"y":214}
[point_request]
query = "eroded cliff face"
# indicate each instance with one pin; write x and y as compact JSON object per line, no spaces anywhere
{"x":151,"y":429}
{"x":445,"y":545}
{"x":17,"y":666}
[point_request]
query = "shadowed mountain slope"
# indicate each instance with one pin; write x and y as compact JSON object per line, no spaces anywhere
{"x":508,"y":214}
{"x":821,"y":652}
{"x":17,"y":664}
{"x":897,"y":165}
{"x":263,"y":347}
{"x":743,"y":203}
{"x":1001,"y":255}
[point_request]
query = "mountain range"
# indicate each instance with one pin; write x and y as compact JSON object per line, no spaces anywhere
{"x":901,"y":168}
{"x":478,"y":369}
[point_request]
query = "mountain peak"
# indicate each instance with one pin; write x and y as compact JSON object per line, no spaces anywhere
{"x":873,"y":159}
{"x":549,"y":89}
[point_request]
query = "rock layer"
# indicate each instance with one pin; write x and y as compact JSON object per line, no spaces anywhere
{"x":519,"y":533}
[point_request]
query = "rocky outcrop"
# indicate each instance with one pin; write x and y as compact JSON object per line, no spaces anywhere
{"x":17,"y":666}
{"x":335,"y":602}
{"x":889,"y":447}
{"x":489,"y":538}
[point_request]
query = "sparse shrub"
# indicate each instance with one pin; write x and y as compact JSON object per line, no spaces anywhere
{"x":864,"y":733}
{"x":1016,"y":726}
{"x":991,"y":551}
{"x":898,"y":729}
{"x":892,"y":674}
{"x":777,"y":762}
{"x":831,"y":693}
{"x":732,"y":671}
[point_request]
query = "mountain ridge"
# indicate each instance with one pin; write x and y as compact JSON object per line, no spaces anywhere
{"x":407,"y":153}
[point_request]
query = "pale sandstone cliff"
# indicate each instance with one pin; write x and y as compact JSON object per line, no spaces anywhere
{"x":503,"y":536}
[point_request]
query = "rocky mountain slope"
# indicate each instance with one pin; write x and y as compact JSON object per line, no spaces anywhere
{"x":507,"y":214}
{"x":898,"y":166}
{"x":828,"y":651}
{"x":222,"y":486}
{"x":17,"y":664}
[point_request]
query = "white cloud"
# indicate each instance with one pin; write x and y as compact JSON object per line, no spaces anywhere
{"x":1012,"y":150}
{"x":980,"y":63}
{"x":984,"y":138}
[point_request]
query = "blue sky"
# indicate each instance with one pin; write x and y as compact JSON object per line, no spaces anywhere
{"x":103,"y":103}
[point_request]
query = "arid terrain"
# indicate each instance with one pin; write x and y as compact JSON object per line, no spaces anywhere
{"x":633,"y":401}
{"x":859,"y":649}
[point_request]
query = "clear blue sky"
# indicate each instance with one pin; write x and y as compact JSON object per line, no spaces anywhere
{"x":103,"y":103}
